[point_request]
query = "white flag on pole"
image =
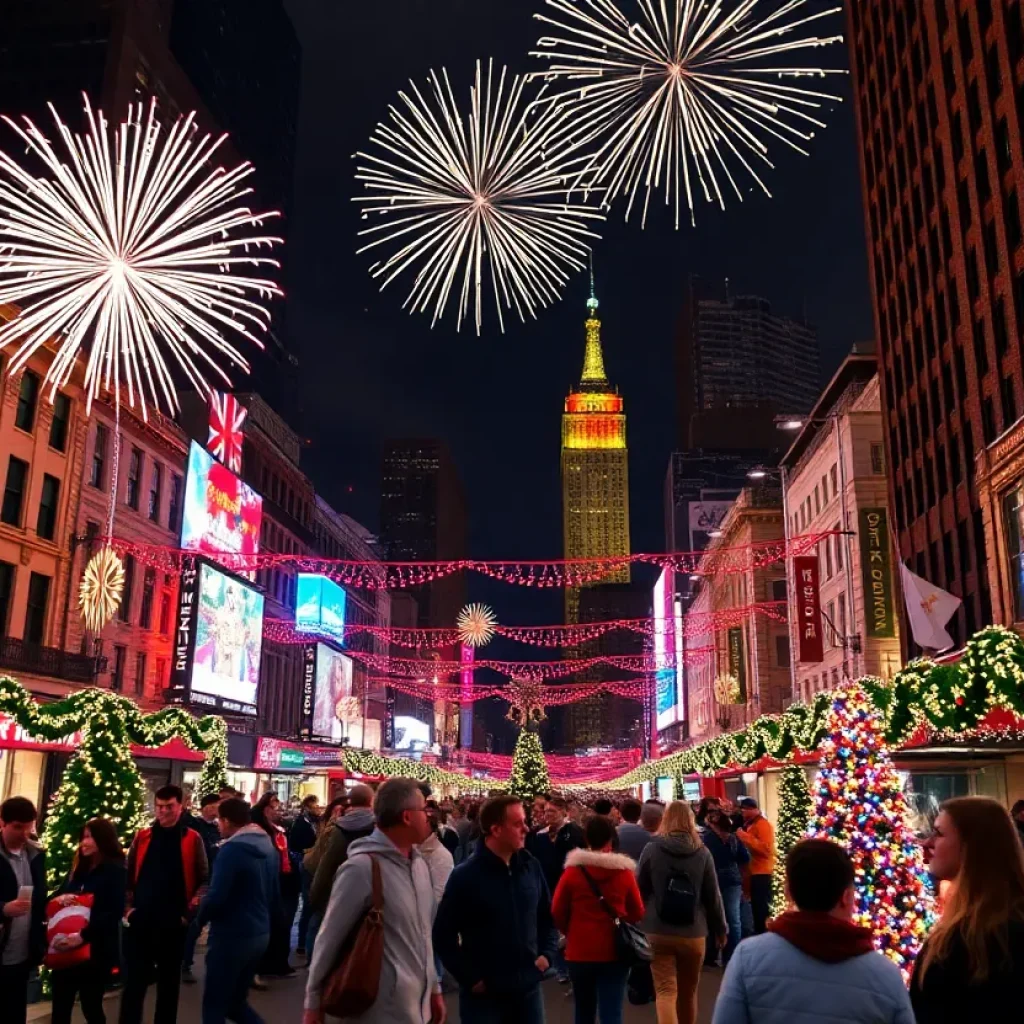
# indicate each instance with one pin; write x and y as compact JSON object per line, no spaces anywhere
{"x":929,"y":608}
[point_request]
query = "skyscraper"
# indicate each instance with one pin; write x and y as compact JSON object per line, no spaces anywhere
{"x":735,"y":353}
{"x":939,"y":109}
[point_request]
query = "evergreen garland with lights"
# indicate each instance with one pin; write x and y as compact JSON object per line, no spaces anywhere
{"x":363,"y":762}
{"x":795,"y":810}
{"x":102,"y":779}
{"x":529,"y":769}
{"x":860,"y":805}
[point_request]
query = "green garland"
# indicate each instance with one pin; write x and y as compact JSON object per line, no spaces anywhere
{"x":952,"y":699}
{"x":102,"y":778}
{"x":795,"y":809}
{"x":397,"y":767}
{"x":529,"y":769}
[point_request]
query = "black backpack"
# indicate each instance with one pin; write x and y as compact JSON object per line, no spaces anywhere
{"x":677,"y":901}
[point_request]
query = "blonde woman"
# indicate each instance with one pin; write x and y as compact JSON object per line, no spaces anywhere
{"x":679,"y":886}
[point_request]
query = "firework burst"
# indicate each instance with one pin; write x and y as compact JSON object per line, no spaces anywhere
{"x":476,"y":624}
{"x":473,"y":206}
{"x":128,"y":248}
{"x":686,"y":99}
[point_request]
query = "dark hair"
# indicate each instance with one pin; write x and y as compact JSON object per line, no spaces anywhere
{"x":603,"y":805}
{"x":492,"y":814}
{"x":818,"y":872}
{"x":17,"y":810}
{"x":258,"y":814}
{"x":308,"y":801}
{"x":338,"y":801}
{"x":210,"y":798}
{"x":169,"y":793}
{"x":104,"y":835}
{"x":230,"y":790}
{"x":631,"y":810}
{"x":559,"y":802}
{"x":599,"y":832}
{"x":705,"y":805}
{"x":425,"y":790}
{"x":235,"y":810}
{"x":1017,"y":808}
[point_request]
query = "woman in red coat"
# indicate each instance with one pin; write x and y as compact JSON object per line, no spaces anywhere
{"x":598,"y":977}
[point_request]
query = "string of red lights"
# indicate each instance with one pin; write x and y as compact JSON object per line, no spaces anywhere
{"x":638,"y":688}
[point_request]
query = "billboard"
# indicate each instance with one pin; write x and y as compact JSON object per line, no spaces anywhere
{"x":218,"y":641}
{"x":320,"y":606}
{"x":221,"y":514}
{"x":665,"y":682}
{"x":706,"y":516}
{"x":411,"y":734}
{"x":330,"y":709}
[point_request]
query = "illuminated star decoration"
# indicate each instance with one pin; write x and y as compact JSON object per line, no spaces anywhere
{"x":476,"y":624}
{"x":474,"y":205}
{"x":101,"y":589}
{"x":127,"y":247}
{"x":727,"y":690}
{"x":686,"y":98}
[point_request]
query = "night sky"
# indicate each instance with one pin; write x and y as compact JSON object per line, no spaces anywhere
{"x":370,"y":370}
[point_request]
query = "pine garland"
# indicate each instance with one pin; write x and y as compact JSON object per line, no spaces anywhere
{"x":529,"y":769}
{"x":795,"y":809}
{"x":376,"y":766}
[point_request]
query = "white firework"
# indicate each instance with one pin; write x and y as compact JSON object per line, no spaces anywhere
{"x":127,"y":248}
{"x":686,"y":99}
{"x":473,"y":206}
{"x":476,"y":624}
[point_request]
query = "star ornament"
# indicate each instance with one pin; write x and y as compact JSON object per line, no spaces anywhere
{"x":101,"y":589}
{"x":476,"y":624}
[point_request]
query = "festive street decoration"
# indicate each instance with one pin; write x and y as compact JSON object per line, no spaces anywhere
{"x":375,"y":766}
{"x":526,"y":703}
{"x":680,"y":97}
{"x":860,"y":805}
{"x":795,"y":808}
{"x":101,"y":589}
{"x":476,"y":623}
{"x":227,"y":422}
{"x":102,"y":778}
{"x":727,"y":690}
{"x":563,"y":769}
{"x":128,"y":247}
{"x":529,"y":769}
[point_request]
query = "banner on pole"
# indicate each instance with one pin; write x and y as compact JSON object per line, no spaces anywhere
{"x":808,"y":604}
{"x":876,"y":569}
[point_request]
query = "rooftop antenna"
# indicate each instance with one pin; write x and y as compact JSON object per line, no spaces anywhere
{"x":727,"y":289}
{"x":592,"y":301}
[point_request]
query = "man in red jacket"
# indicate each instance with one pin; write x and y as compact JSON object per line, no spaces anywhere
{"x":166,"y":868}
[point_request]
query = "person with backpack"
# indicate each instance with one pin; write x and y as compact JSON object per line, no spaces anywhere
{"x":679,"y":887}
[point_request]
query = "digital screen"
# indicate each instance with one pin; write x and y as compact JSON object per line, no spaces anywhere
{"x":228,"y":639}
{"x":221,"y":514}
{"x":320,"y":606}
{"x":664,"y":650}
{"x":335,"y":710}
{"x":411,"y":733}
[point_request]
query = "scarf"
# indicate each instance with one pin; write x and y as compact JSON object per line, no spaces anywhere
{"x":822,"y":936}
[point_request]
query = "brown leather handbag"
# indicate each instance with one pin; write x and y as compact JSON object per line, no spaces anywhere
{"x":352,"y":986}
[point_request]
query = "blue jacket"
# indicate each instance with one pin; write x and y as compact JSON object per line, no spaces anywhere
{"x":770,"y":981}
{"x":729,"y":855}
{"x":244,"y":889}
{"x":502,"y":914}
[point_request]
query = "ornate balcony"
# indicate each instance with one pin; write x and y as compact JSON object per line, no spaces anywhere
{"x":21,"y":656}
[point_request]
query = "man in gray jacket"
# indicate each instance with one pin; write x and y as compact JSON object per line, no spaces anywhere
{"x":408,"y":992}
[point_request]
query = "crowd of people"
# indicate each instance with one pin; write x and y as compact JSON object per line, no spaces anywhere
{"x":616,"y":901}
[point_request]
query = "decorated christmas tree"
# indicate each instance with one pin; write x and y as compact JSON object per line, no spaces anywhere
{"x":529,"y":769}
{"x":860,"y":806}
{"x":795,"y":810}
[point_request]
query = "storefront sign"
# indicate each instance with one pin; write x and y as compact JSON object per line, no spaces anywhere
{"x":808,"y":604}
{"x":274,"y":755}
{"x":14,"y":737}
{"x":184,"y":637}
{"x":876,"y":568}
{"x":738,"y":661}
{"x":308,"y":687}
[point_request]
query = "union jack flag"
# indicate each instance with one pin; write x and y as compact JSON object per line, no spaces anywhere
{"x":227,"y":417}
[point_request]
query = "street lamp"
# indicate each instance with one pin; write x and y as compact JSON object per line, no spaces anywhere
{"x":757,"y":474}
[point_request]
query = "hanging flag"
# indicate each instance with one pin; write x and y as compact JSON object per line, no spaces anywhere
{"x":227,"y":418}
{"x":808,"y":602}
{"x":929,"y":608}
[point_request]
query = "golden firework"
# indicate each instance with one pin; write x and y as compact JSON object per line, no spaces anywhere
{"x":101,"y":589}
{"x":476,"y":624}
{"x":727,"y":690}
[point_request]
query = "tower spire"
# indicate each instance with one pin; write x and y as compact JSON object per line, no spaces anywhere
{"x":593,"y":359}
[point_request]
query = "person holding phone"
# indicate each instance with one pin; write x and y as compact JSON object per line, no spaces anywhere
{"x":22,"y":905}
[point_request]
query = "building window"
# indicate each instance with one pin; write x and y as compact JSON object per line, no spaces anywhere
{"x":1013,"y":513}
{"x":830,"y":615}
{"x":817,"y":500}
{"x":174,"y":513}
{"x":99,"y":456}
{"x":125,"y":607}
{"x":840,"y":540}
{"x":146,"y":608}
{"x":828,"y":558}
{"x":155,"y":486}
{"x":1009,"y":402}
{"x":878,"y":459}
{"x":14,"y":491}
{"x":134,"y":475}
{"x":778,"y":590}
{"x":140,"y":673}
{"x":782,"y":651}
{"x":117,"y":676}
{"x":35,"y":612}
{"x":59,"y":423}
{"x":834,"y":475}
{"x":841,"y":615}
{"x":28,"y":399}
{"x":46,"y":521}
{"x":6,"y":590}
{"x":160,"y":679}
{"x":165,"y":613}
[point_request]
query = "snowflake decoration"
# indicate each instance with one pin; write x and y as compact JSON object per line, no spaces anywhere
{"x":101,"y":589}
{"x":727,"y":690}
{"x":476,"y":624}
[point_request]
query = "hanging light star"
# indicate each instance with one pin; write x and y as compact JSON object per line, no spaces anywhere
{"x":476,"y":624}
{"x":727,"y":690}
{"x":685,"y":99}
{"x":128,"y":247}
{"x":101,"y":589}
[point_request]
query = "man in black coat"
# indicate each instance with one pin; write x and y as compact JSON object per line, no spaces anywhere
{"x":22,"y":920}
{"x":493,"y":929}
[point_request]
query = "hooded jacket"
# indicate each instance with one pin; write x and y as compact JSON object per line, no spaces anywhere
{"x":357,"y":824}
{"x":579,"y":915}
{"x":439,"y":863}
{"x":408,"y":976}
{"x":809,"y":968}
{"x":245,"y":887}
{"x":675,"y":854}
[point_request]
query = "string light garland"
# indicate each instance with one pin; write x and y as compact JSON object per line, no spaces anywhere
{"x":860,"y":805}
{"x":793,"y":821}
{"x":362,"y":762}
{"x":564,"y":769}
{"x":529,"y":769}
{"x":476,"y":624}
{"x":102,"y":778}
{"x":101,"y":589}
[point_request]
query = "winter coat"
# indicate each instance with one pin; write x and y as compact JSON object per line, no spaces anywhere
{"x":209,"y":832}
{"x":9,"y":891}
{"x":552,"y":852}
{"x":439,"y":863}
{"x":758,"y":836}
{"x":345,"y":830}
{"x":729,"y":855}
{"x":245,"y":887}
{"x":579,"y":915}
{"x":948,"y":993}
{"x":770,"y":980}
{"x":107,"y":884}
{"x":495,"y":921}
{"x":408,"y":974}
{"x":678,"y":853}
{"x":302,"y":836}
{"x":632,"y":839}
{"x":195,"y":867}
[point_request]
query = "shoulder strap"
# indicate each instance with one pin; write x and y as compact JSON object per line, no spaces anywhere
{"x":377,"y":903}
{"x":597,"y":892}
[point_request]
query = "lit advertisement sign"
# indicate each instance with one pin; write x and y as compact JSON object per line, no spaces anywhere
{"x":330,"y":709}
{"x":221,"y":514}
{"x":218,"y":641}
{"x":411,"y":734}
{"x":665,"y":683}
{"x":320,"y":606}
